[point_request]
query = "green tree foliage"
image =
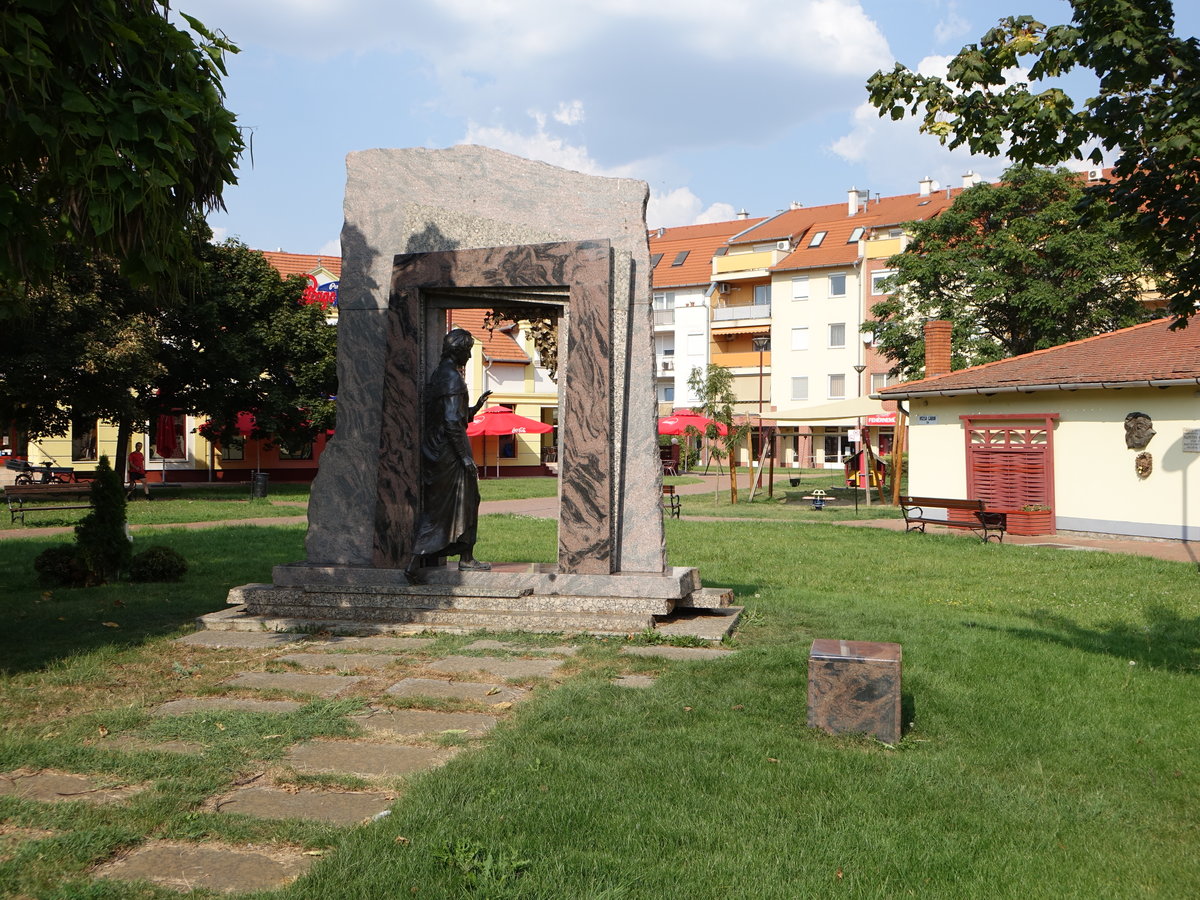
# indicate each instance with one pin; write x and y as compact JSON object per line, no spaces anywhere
{"x":114,"y":134}
{"x":101,"y":537}
{"x":1146,"y":110}
{"x":713,"y":389}
{"x":1010,"y":266}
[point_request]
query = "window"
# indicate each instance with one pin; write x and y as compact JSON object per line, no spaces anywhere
{"x":877,"y":279}
{"x":304,"y":451}
{"x":837,"y":386}
{"x":800,"y":388}
{"x":234,"y":450}
{"x":668,"y":394}
{"x":167,"y":437}
{"x":680,"y":257}
{"x":817,"y":238}
{"x":664,"y":300}
{"x":837,"y":285}
{"x":800,"y":287}
{"x":881,"y":380}
{"x":799,"y":338}
{"x":654,"y":259}
{"x":855,"y":235}
{"x":837,"y":334}
{"x":762,"y":294}
{"x":83,"y":439}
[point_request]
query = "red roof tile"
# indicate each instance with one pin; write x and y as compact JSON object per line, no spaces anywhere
{"x":498,"y":345}
{"x":1145,"y":353}
{"x":302,"y":263}
{"x":701,"y":241}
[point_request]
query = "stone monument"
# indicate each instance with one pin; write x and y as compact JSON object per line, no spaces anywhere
{"x":428,"y":231}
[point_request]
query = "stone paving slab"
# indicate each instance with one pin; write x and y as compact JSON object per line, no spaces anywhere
{"x":345,"y":662}
{"x":634,"y":681}
{"x":457,"y":690}
{"x":189,"y":705}
{"x":334,"y":807}
{"x":504,"y":668}
{"x":416,"y":723}
{"x":62,"y":787}
{"x":677,"y":652}
{"x":706,"y":624}
{"x":186,"y":867}
{"x":242,"y":640}
{"x":512,"y":647}
{"x":366,"y":759}
{"x":321,"y":685}
{"x":375,"y":642}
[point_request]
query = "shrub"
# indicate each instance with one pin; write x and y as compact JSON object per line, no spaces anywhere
{"x":157,"y":563}
{"x":101,"y":536}
{"x":60,"y":565}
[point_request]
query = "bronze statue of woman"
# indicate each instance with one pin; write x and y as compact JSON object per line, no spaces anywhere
{"x":449,"y":518}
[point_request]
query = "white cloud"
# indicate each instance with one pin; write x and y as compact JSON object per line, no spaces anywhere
{"x":682,"y":207}
{"x":569,"y":113}
{"x":331,"y":248}
{"x":952,"y":26}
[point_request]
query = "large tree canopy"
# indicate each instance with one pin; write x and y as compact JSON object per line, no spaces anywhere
{"x":1147,"y":111}
{"x":1011,"y":268}
{"x":113,"y":134}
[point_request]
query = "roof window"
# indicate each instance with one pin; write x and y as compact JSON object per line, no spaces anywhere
{"x":654,"y":259}
{"x":680,"y":257}
{"x":817,"y":239}
{"x":855,"y":235}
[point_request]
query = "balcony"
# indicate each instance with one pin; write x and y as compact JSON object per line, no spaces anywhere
{"x":737,"y":265}
{"x":741,"y":359}
{"x":754,"y":311}
{"x":664,"y":317}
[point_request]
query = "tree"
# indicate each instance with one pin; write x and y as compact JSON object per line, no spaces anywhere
{"x":713,"y":389}
{"x":1009,"y":265}
{"x":115,"y":135}
{"x":1146,"y":109}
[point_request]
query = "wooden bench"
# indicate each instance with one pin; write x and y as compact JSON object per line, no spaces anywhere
{"x":18,"y":495}
{"x":670,"y":500}
{"x":984,"y":522}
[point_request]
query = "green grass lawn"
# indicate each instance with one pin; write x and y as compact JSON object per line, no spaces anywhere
{"x":1049,"y":751}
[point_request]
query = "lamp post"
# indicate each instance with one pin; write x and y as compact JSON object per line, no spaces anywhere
{"x":862,"y":451}
{"x":761,"y":343}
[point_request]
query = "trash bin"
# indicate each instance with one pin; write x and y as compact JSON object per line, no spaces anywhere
{"x":258,"y":485}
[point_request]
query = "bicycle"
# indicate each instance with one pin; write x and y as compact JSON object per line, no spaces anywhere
{"x":27,"y":473}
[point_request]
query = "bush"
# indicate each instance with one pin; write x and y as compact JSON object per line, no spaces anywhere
{"x":101,"y":536}
{"x":60,"y":566}
{"x":157,"y":563}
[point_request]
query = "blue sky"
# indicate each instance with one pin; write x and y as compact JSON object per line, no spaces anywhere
{"x":719,"y":105}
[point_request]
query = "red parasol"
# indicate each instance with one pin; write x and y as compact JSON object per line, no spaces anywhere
{"x":684,"y":419}
{"x":500,"y":420}
{"x":164,"y":437}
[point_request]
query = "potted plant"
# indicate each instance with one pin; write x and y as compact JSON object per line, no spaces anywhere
{"x":1031,"y":519}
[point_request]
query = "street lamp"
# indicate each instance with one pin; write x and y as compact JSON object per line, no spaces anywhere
{"x":761,"y":343}
{"x":862,"y":453}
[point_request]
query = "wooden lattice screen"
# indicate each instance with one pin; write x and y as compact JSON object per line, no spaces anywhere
{"x":1010,"y":459}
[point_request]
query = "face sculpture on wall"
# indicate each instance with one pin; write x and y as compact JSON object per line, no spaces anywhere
{"x":1138,"y":430}
{"x":1143,"y":464}
{"x":450,"y":482}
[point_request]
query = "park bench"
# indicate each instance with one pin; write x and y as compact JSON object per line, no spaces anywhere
{"x":670,"y":500}
{"x":986,"y":523}
{"x":26,"y":498}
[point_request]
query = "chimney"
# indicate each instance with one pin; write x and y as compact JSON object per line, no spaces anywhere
{"x":796,"y":204}
{"x":927,"y":185}
{"x":742,"y":214}
{"x":971,"y":179}
{"x":937,"y":347}
{"x":856,"y":200}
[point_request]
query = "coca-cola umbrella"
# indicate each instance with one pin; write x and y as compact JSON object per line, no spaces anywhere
{"x":500,"y":420}
{"x":679,"y":423}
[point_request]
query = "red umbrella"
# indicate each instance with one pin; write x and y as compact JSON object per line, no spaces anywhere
{"x":164,"y":437}
{"x":500,"y":420}
{"x":684,"y":419}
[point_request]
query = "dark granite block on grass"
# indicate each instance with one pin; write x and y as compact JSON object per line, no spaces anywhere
{"x":854,"y":688}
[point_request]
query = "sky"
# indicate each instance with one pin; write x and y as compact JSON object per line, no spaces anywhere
{"x":719,"y":105}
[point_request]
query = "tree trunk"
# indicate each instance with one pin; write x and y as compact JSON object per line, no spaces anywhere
{"x":121,"y":463}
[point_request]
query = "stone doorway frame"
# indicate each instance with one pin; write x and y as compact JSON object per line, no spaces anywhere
{"x":575,"y":274}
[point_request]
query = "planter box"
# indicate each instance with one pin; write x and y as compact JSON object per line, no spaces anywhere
{"x":1031,"y":522}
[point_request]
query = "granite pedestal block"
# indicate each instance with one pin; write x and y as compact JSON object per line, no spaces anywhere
{"x":854,"y":688}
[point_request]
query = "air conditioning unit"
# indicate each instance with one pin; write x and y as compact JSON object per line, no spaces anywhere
{"x":724,"y":288}
{"x":668,"y":365}
{"x":785,"y":246}
{"x":1095,"y":174}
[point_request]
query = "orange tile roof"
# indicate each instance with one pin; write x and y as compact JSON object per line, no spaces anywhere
{"x":302,"y":263}
{"x":834,"y":249}
{"x":498,"y":345}
{"x":1141,"y":354}
{"x":701,"y":241}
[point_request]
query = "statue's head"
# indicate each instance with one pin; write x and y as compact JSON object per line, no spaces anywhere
{"x":1138,"y":430}
{"x":457,"y":345}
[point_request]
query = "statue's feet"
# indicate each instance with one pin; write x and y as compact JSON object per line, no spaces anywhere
{"x":473,"y":565}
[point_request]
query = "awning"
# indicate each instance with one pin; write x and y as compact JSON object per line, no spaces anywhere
{"x":741,"y":329}
{"x":854,"y":408}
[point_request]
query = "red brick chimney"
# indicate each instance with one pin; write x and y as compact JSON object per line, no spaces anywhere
{"x":937,"y":347}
